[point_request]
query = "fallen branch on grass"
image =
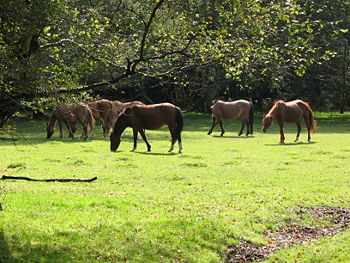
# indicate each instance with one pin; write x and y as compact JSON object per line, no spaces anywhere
{"x":5,"y":177}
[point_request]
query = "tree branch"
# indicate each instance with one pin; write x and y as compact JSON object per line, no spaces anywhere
{"x":5,"y":177}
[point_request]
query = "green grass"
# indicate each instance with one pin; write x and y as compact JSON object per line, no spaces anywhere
{"x":161,"y":207}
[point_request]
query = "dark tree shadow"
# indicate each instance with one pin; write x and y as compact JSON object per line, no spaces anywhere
{"x":5,"y":253}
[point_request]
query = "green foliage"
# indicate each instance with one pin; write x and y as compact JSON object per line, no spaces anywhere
{"x":57,"y":47}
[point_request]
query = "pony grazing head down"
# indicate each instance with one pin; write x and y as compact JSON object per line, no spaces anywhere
{"x":267,"y":121}
{"x":49,"y":130}
{"x":119,"y":126}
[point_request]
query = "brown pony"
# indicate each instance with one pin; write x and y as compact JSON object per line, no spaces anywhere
{"x":292,"y":111}
{"x":101,"y":109}
{"x":149,"y":117}
{"x":231,"y":111}
{"x":70,"y":114}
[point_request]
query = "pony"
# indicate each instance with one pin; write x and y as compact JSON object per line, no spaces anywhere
{"x":292,"y":111}
{"x":231,"y":111}
{"x":149,"y":117}
{"x":70,"y":114}
{"x":101,"y":109}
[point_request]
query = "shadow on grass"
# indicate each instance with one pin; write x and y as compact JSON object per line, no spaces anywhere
{"x":234,"y":136}
{"x":31,"y":252}
{"x":290,"y":144}
{"x":5,"y":255}
{"x":162,"y":154}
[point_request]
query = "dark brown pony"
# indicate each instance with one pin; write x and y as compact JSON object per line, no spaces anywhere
{"x":101,"y":110}
{"x":149,"y":117}
{"x":230,"y":111}
{"x":70,"y":114}
{"x":292,"y":111}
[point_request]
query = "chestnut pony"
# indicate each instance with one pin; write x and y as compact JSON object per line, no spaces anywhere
{"x":108,"y":111}
{"x":101,"y":110}
{"x":231,"y":111}
{"x":149,"y":117}
{"x":292,"y":111}
{"x":119,"y":107}
{"x":70,"y":114}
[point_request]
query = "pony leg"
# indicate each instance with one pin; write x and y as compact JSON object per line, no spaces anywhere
{"x":86,"y":132}
{"x":242,"y":128}
{"x":173,"y":139}
{"x":60,"y":126}
{"x":309,"y":127}
{"x":145,"y":139}
{"x":222,"y":128}
{"x":215,"y":122}
{"x":135,"y":132}
{"x":105,"y":127}
{"x":299,"y":129}
{"x":282,"y":134}
{"x":180,"y":143}
{"x":70,"y":130}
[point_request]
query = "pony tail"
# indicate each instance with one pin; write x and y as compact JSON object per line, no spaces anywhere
{"x":313,"y":122}
{"x":90,"y":121}
{"x":179,"y":122}
{"x":251,"y":117}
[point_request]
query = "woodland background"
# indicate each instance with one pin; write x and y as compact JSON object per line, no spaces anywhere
{"x":187,"y":52}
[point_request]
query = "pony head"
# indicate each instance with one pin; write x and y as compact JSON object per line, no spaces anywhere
{"x":119,"y":127}
{"x":115,"y":141}
{"x":267,"y":121}
{"x":49,"y":131}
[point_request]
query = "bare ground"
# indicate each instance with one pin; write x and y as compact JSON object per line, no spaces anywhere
{"x":291,"y":235}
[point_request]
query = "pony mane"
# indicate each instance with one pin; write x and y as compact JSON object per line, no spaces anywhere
{"x":274,"y":107}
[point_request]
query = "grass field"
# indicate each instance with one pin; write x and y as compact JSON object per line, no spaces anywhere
{"x":169,"y":207}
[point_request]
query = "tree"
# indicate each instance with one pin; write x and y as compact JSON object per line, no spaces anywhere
{"x":64,"y":48}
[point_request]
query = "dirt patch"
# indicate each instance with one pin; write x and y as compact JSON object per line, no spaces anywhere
{"x":291,"y":235}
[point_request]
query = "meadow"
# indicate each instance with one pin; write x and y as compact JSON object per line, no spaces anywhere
{"x":168,"y":207}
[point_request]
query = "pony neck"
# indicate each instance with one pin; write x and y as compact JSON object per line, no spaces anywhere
{"x":120,"y":125}
{"x":273,"y":110}
{"x":52,"y":121}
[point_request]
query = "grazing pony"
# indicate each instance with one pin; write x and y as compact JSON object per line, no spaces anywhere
{"x":101,"y":109}
{"x":292,"y":111}
{"x":70,"y":114}
{"x":149,"y":117}
{"x":231,"y":111}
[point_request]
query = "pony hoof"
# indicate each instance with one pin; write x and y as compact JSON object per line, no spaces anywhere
{"x":133,"y":149}
{"x":281,"y":142}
